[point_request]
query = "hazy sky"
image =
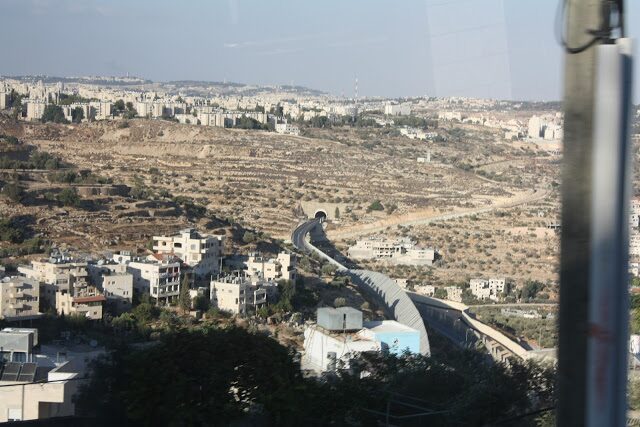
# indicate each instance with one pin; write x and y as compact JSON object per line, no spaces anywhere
{"x":485,"y":48}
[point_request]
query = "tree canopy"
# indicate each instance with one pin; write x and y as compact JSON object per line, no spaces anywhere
{"x":53,"y":113}
{"x":212,"y":376}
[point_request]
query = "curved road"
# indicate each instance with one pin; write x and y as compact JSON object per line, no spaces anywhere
{"x":378,"y":286}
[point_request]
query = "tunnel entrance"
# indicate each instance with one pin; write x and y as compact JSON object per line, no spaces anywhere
{"x":321,"y":215}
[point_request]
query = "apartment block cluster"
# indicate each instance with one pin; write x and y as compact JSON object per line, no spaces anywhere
{"x":512,"y":128}
{"x":547,"y":127}
{"x":399,"y":251}
{"x":90,"y":287}
{"x":254,"y":284}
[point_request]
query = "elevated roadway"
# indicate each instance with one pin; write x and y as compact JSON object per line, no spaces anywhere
{"x":378,"y":286}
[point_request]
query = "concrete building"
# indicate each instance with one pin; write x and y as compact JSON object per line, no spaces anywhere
{"x":58,"y":273}
{"x":115,"y":283}
{"x":35,"y":109}
{"x":16,"y":344}
{"x":201,"y":252}
{"x":89,"y":304}
{"x":5,"y":98}
{"x":159,"y":277}
{"x":401,"y":251}
{"x":238,"y":294}
{"x":33,"y":387}
{"x":397,"y":109}
{"x":340,"y":335}
{"x":487,"y":288}
{"x":454,"y":293}
{"x":19,"y":298}
{"x":287,"y":129}
{"x":283,"y":267}
{"x":450,"y":115}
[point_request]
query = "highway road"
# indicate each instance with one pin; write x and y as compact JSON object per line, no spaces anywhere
{"x":374,"y":227}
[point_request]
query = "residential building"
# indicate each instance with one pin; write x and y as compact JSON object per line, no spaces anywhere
{"x":340,"y":335}
{"x":283,"y":267}
{"x":16,"y":344}
{"x":201,"y":252}
{"x":397,"y":109}
{"x":115,"y":283}
{"x":454,"y":293}
{"x":19,"y":298}
{"x":157,"y":276}
{"x":35,"y":109}
{"x":238,"y":294}
{"x":287,"y":129}
{"x":450,"y":115}
{"x":59,"y":272}
{"x":487,"y":288}
{"x":88,"y":303}
{"x":403,"y":251}
{"x":5,"y":99}
{"x":33,"y":388}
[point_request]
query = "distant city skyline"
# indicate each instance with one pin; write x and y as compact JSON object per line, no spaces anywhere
{"x":503,"y":49}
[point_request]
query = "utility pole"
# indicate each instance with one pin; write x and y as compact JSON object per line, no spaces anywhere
{"x":575,"y":259}
{"x":594,"y":244}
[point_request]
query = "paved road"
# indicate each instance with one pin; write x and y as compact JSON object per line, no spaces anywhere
{"x":379,"y":286}
{"x":537,"y":194}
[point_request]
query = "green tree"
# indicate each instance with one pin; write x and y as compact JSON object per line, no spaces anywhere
{"x":119,"y":105}
{"x":248,"y":237}
{"x":440,"y":293}
{"x":336,"y":214}
{"x":14,"y":191}
{"x":53,"y":113}
{"x":375,"y":206}
{"x":77,"y":115}
{"x":201,"y":302}
{"x":328,"y":269}
{"x":184,"y":299}
{"x":69,"y":197}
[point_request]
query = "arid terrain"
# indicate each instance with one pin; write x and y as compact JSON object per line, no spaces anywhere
{"x":482,"y":201}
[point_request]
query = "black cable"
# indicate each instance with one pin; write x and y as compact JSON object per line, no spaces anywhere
{"x":601,"y":35}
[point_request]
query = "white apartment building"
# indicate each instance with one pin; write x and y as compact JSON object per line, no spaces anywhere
{"x":19,"y":298}
{"x":397,"y":109}
{"x":202,"y":252}
{"x":487,"y":288}
{"x":403,"y":251}
{"x":158,"y":277}
{"x":5,"y":97}
{"x":238,"y":294}
{"x":58,"y":273}
{"x":283,"y":267}
{"x":287,"y":129}
{"x":454,"y":293}
{"x":450,"y":115}
{"x":35,"y":109}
